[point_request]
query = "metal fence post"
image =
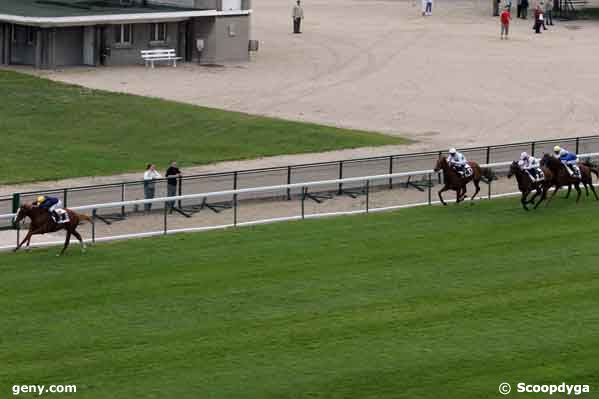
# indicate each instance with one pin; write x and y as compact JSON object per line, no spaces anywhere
{"x":367,"y":195}
{"x":532,"y":148}
{"x":430,"y":188}
{"x":93,"y":226}
{"x":488,"y":155}
{"x":123,"y":199}
{"x":65,"y":201}
{"x":180,"y":192}
{"x":235,"y":180}
{"x":16,"y":204}
{"x":288,"y":182}
{"x":234,"y":209}
{"x":489,"y":188}
{"x":390,"y":171}
{"x":577,"y":145}
{"x":165,"y":217}
{"x":18,"y":227}
{"x":340,"y":177}
{"x":302,"y":202}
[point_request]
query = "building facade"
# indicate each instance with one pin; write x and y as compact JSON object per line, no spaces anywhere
{"x":113,"y":32}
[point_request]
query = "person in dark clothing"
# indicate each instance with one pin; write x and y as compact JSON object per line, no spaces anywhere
{"x":538,"y":20}
{"x":172,"y":174}
{"x":524,"y":11}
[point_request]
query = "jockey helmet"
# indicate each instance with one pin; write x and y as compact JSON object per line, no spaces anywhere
{"x":41,"y":199}
{"x":452,"y":151}
{"x":524,"y":156}
{"x":557,"y":149}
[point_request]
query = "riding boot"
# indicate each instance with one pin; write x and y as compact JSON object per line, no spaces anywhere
{"x":56,"y":216}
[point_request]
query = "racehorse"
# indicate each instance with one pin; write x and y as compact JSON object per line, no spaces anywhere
{"x":526,"y":185}
{"x":456,"y":182}
{"x":561,"y":176}
{"x":42,"y":223}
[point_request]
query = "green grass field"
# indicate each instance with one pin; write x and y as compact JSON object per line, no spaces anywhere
{"x":422,"y":303}
{"x":51,"y":130}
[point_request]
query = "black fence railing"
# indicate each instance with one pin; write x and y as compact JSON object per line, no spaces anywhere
{"x":213,"y":182}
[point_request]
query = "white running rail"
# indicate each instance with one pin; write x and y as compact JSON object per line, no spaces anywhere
{"x":234,"y":193}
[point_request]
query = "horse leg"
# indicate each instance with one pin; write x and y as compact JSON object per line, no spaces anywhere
{"x":477,"y":186}
{"x":557,"y":187}
{"x":523,"y":200}
{"x":445,"y":188}
{"x":578,"y":191}
{"x":26,"y":239}
{"x":594,"y":192}
{"x":78,"y":236}
{"x":66,"y":243}
{"x":569,"y":191}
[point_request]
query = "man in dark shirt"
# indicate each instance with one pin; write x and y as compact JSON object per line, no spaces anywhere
{"x":172,"y":174}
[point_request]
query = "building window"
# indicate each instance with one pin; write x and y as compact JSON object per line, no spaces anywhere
{"x":158,"y":33}
{"x":122,"y":34}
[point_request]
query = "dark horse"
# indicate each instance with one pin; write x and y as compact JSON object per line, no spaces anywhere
{"x":42,"y":223}
{"x":561,"y":176}
{"x":454,"y":181}
{"x":526,"y":185}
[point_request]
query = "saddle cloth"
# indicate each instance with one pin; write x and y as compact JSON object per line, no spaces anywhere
{"x":63,"y":216}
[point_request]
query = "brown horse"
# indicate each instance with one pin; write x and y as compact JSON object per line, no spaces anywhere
{"x":561,"y":176}
{"x":42,"y":223}
{"x":526,"y":185}
{"x":454,"y":181}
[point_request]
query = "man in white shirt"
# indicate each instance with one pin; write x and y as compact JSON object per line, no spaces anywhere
{"x":297,"y":14}
{"x":149,"y":185}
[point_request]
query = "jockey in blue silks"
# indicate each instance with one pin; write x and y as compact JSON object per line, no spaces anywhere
{"x":52,"y":204}
{"x":569,"y":159}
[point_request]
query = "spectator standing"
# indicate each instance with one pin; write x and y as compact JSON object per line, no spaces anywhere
{"x":519,"y":9}
{"x":297,"y":15}
{"x":549,"y":12}
{"x":150,"y":175}
{"x":538,"y":19}
{"x":508,"y":5}
{"x":429,"y":7}
{"x":505,"y":22}
{"x":524,"y":10}
{"x":172,"y":179}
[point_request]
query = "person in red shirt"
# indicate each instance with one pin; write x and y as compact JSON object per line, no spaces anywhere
{"x":505,"y":22}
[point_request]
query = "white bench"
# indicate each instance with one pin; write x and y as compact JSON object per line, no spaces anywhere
{"x":151,"y":56}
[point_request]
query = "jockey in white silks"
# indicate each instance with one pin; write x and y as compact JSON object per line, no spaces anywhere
{"x":531,"y":166}
{"x":458,"y":161}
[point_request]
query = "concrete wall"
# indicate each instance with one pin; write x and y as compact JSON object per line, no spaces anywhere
{"x":226,"y":39}
{"x":141,"y":40}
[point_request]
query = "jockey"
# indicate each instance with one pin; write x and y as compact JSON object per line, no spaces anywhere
{"x":52,"y":204}
{"x":569,"y":159}
{"x":532,"y":166}
{"x":458,"y":161}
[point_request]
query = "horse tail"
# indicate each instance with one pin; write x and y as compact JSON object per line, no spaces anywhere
{"x":595,"y":171}
{"x":82,"y":216}
{"x":488,"y":174}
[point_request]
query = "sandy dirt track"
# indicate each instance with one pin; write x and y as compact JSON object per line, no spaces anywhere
{"x":445,"y":80}
{"x":379,"y":65}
